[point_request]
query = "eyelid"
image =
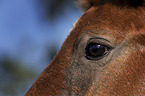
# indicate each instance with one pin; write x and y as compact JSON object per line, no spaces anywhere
{"x":101,"y":41}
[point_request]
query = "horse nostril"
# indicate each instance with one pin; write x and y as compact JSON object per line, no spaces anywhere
{"x":95,"y":50}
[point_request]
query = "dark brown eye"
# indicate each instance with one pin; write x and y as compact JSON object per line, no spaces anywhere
{"x":96,"y":51}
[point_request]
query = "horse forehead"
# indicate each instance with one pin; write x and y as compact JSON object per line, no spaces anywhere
{"x":119,"y":21}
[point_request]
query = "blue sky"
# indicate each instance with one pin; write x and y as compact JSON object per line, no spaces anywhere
{"x":24,"y":33}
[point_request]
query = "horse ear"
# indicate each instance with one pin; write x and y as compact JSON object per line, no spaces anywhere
{"x":86,"y":4}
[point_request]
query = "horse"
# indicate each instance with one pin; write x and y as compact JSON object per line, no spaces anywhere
{"x":104,"y":54}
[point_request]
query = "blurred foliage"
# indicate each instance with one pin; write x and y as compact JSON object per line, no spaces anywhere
{"x":56,"y":8}
{"x":14,"y":77}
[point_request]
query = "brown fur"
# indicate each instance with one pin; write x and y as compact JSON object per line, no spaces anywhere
{"x":122,"y":22}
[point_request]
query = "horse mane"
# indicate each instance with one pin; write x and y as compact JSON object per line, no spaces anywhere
{"x":86,"y":4}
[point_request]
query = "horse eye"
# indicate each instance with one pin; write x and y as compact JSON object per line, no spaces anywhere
{"x":96,"y":51}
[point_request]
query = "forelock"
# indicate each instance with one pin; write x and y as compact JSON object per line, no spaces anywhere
{"x":86,"y":4}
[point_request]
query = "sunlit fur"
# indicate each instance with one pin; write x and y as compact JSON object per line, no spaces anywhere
{"x":120,"y":73}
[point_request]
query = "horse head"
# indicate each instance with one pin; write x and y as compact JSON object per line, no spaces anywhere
{"x":104,"y":54}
